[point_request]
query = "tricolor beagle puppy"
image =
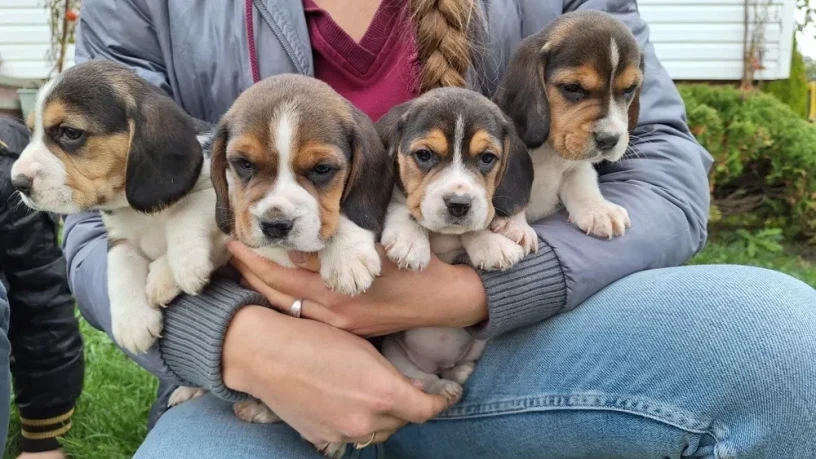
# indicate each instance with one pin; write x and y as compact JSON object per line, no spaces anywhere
{"x":297,"y":167}
{"x":105,"y":139}
{"x":460,"y":164}
{"x":572,"y":91}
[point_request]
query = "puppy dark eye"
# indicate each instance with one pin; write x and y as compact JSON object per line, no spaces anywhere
{"x":573,"y":92}
{"x":69,"y":133}
{"x":322,"y":169}
{"x":630,"y":90}
{"x":68,"y":138}
{"x":243,"y":168}
{"x":243,"y":164}
{"x":487,"y":158}
{"x":423,"y":155}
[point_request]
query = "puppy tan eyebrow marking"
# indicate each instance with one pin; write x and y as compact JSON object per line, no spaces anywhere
{"x":435,"y":140}
{"x":482,"y":141}
{"x":630,"y":76}
{"x":313,"y":152}
{"x":54,"y":113}
{"x":586,"y":75}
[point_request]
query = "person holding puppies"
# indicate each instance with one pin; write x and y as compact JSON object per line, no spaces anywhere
{"x":597,"y":347}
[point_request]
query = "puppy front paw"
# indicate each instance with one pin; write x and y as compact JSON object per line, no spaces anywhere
{"x":451,"y":390}
{"x":183,"y":394}
{"x":601,"y":219}
{"x":490,"y":251}
{"x":135,"y":326}
{"x":161,"y":286}
{"x":517,"y":231}
{"x":407,"y":249}
{"x":460,"y":373}
{"x":192,"y":277}
{"x":333,"y":450}
{"x":351,"y":272}
{"x":254,"y":411}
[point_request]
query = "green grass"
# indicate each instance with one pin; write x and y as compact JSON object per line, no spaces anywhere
{"x":730,"y":248}
{"x":110,"y":419}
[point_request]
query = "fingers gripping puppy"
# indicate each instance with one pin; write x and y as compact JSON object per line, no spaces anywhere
{"x":460,"y":165}
{"x":572,"y":91}
{"x":105,"y":139}
{"x":297,"y":167}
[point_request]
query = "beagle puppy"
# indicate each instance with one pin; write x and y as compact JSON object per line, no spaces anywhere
{"x":105,"y":139}
{"x":572,"y":91}
{"x":460,"y":164}
{"x":297,"y":167}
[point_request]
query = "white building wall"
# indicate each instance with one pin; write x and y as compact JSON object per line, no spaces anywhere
{"x":695,"y":39}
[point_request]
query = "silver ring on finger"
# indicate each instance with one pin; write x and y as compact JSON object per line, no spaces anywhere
{"x":297,"y":308}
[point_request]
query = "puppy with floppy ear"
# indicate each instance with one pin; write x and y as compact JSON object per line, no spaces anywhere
{"x":572,"y":91}
{"x":105,"y":139}
{"x":298,"y":167}
{"x":460,"y":165}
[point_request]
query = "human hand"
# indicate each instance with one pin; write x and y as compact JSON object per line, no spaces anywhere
{"x":441,"y":295}
{"x":327,"y":384}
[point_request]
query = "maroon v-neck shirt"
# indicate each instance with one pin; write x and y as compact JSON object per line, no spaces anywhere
{"x":375,"y":74}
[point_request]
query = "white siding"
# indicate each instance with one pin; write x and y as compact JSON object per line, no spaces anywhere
{"x":695,"y":39}
{"x":703,"y":39}
{"x":24,"y":41}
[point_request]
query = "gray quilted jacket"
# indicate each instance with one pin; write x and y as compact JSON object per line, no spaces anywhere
{"x":197,"y":51}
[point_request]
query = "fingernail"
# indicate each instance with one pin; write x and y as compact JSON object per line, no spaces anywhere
{"x":297,"y":257}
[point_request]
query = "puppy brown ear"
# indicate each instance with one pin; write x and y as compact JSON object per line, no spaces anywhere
{"x":165,"y":157}
{"x":515,"y":176}
{"x":218,"y":175}
{"x":522,"y":93}
{"x":389,"y":127}
{"x":371,"y":179}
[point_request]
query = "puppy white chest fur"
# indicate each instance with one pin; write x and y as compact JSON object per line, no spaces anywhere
{"x":550,"y":170}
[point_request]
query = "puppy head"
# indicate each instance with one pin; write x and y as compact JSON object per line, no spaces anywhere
{"x":576,"y":85}
{"x":103,"y":138}
{"x":289,"y":158}
{"x":459,"y":159}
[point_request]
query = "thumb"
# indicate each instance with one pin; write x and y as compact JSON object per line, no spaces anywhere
{"x":416,"y":406}
{"x":304,"y":260}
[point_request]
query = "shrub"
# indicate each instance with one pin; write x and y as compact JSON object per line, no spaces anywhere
{"x":765,"y":158}
{"x":792,"y":91}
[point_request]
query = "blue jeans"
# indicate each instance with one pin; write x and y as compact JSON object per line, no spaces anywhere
{"x":702,"y":361}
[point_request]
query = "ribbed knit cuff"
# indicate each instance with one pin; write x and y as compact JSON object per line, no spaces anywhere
{"x":194,"y":329}
{"x":529,"y":292}
{"x":39,"y":433}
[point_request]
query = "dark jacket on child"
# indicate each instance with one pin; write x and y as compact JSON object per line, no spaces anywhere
{"x":47,"y":362}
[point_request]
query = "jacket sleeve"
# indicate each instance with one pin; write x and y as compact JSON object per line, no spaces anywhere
{"x":189,"y":351}
{"x":663,"y":186}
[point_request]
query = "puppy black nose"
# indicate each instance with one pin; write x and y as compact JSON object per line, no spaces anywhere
{"x":276,"y":229}
{"x":606,"y":141}
{"x":22,"y":184}
{"x":458,"y":205}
